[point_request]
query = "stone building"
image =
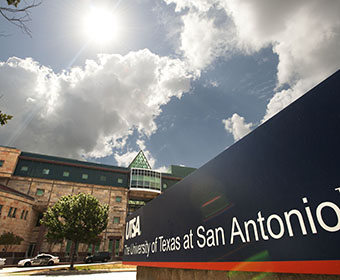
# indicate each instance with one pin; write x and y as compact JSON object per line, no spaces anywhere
{"x":29,"y":183}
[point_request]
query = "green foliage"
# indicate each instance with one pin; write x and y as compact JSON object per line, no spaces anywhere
{"x":13,"y":2}
{"x":4,"y":118}
{"x":9,"y":239}
{"x":79,"y":218}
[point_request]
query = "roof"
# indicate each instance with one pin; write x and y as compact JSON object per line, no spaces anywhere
{"x":140,"y":161}
{"x":15,"y":192}
{"x":67,"y":161}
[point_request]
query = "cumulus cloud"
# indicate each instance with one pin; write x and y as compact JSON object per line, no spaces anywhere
{"x":304,"y":34}
{"x":124,"y":159}
{"x":202,"y":39}
{"x":87,"y":111}
{"x":237,"y":126}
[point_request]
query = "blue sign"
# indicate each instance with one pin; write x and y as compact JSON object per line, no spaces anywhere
{"x":270,"y":202}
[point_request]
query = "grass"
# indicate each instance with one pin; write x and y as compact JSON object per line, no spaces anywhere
{"x":114,"y":266}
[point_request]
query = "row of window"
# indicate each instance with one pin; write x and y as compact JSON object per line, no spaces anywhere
{"x":12,"y":212}
{"x":116,"y":220}
{"x":41,"y":192}
{"x":90,"y":247}
{"x":66,"y":174}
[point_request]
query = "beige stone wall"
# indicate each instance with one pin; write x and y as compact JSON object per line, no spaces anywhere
{"x":20,"y":184}
{"x":53,"y":190}
{"x":17,"y":225}
{"x":10,"y":158}
{"x":155,"y":273}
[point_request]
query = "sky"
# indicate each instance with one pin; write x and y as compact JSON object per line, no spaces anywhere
{"x":180,"y":79}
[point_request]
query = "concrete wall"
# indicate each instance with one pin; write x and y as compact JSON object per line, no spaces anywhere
{"x":155,"y":273}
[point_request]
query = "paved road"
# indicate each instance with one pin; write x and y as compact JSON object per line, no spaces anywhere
{"x":21,"y":269}
{"x":103,"y":276}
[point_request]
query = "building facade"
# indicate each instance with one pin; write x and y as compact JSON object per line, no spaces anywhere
{"x":30,"y":183}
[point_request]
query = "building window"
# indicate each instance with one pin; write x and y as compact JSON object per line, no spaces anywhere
{"x":118,"y":199}
{"x":165,"y":186}
{"x":40,"y":192}
{"x":68,"y":247}
{"x":45,"y":171}
{"x":89,"y":248}
{"x":117,"y":248}
{"x":145,"y":179}
{"x":96,"y":248}
{"x":103,"y":178}
{"x":116,"y":220}
{"x":120,"y":180}
{"x":40,"y":216}
{"x":66,"y":174}
{"x":25,"y":215}
{"x":1,"y":163}
{"x":110,"y":245}
{"x":24,"y":168}
{"x":85,"y":176}
{"x":22,"y":214}
{"x":0,"y":209}
{"x":14,"y":211}
{"x":10,"y":212}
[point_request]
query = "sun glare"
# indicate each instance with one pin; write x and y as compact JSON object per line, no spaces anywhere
{"x":100,"y":26}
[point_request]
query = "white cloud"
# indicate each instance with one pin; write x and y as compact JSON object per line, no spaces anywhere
{"x":87,"y":111}
{"x":126,"y":158}
{"x":202,"y":40}
{"x":237,"y":126}
{"x":304,"y":34}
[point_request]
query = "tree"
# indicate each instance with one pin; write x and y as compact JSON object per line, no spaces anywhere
{"x":79,"y":218}
{"x":51,"y":240}
{"x":8,"y":239}
{"x":17,"y":14}
{"x":4,"y":118}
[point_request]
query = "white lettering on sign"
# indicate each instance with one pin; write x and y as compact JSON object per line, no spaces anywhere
{"x":299,"y":221}
{"x":133,"y":228}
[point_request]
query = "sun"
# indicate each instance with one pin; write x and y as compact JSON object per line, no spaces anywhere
{"x":100,"y":25}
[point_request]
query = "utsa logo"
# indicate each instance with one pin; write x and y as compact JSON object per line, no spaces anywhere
{"x":133,"y":228}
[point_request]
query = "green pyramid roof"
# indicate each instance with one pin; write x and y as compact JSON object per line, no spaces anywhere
{"x":140,"y":161}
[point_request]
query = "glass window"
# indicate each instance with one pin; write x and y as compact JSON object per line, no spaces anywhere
{"x":103,"y":178}
{"x":68,"y":247}
{"x":25,"y":215}
{"x":118,"y":199}
{"x":96,"y":248}
{"x":116,"y":220}
{"x":40,"y":192}
{"x":40,"y":216}
{"x":165,"y":186}
{"x":45,"y":171}
{"x":89,"y":248}
{"x":85,"y":176}
{"x":24,"y":168}
{"x":1,"y":163}
{"x":110,"y":245}
{"x":66,"y":174}
{"x":0,"y":209}
{"x":22,"y":214}
{"x":10,"y":212}
{"x":117,"y":248}
{"x":14,"y":211}
{"x":120,"y":180}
